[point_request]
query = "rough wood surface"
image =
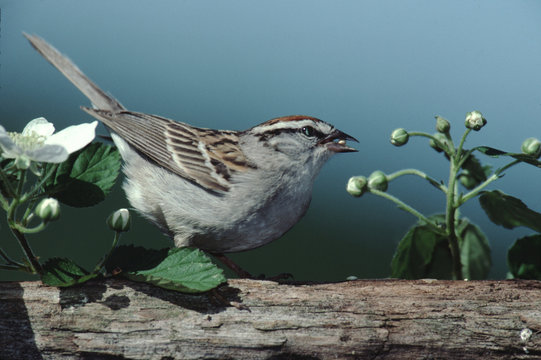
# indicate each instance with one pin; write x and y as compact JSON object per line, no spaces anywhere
{"x":365,"y":319}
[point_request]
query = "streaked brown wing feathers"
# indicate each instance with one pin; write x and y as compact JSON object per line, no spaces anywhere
{"x":178,"y":147}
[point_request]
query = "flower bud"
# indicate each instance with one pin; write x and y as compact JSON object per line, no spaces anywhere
{"x":48,"y":209}
{"x":119,"y":220}
{"x":378,"y":181}
{"x":475,"y":120}
{"x":531,"y":146}
{"x":357,"y":185}
{"x":442,"y":139}
{"x":399,"y":137}
{"x":442,"y":125}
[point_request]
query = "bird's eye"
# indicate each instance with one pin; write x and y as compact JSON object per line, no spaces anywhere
{"x":308,"y":131}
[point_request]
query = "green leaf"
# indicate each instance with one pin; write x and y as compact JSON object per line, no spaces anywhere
{"x":441,"y":264}
{"x":474,"y":168}
{"x":508,"y":211}
{"x":64,"y":272}
{"x":474,"y":251}
{"x":186,"y":269}
{"x":518,"y":156}
{"x":415,"y":253}
{"x":422,"y":253}
{"x":473,"y":172}
{"x":86,"y":177}
{"x":524,"y":258}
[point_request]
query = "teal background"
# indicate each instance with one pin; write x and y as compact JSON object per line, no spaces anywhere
{"x":367,"y":67}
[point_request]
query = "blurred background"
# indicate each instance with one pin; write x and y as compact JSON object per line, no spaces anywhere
{"x":367,"y":67}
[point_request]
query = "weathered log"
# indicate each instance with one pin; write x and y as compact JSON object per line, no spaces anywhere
{"x":366,"y":319}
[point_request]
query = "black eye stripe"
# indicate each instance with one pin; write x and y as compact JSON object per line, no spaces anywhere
{"x":271,"y":133}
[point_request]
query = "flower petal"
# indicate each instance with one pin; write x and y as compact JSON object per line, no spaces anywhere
{"x":49,"y":153}
{"x":7,"y":145}
{"x":40,"y":126}
{"x":74,"y":137}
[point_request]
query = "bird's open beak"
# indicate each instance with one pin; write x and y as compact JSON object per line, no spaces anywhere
{"x":336,"y":142}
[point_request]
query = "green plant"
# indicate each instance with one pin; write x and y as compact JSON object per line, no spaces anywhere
{"x":448,"y":245}
{"x":39,"y":170}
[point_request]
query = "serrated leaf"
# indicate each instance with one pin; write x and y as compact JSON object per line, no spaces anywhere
{"x":415,"y":252}
{"x":86,"y":177}
{"x":64,"y":272}
{"x":186,"y":269}
{"x":422,"y":253}
{"x":518,"y":156}
{"x":441,"y":263}
{"x":508,"y":211}
{"x":524,"y":258}
{"x":474,"y":251}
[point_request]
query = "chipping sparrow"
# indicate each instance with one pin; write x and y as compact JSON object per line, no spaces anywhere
{"x":221,"y":191}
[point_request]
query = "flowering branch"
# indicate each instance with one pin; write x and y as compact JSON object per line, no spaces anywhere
{"x":35,"y":145}
{"x":419,"y":253}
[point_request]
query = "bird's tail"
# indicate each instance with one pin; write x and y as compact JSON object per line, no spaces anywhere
{"x":99,"y":98}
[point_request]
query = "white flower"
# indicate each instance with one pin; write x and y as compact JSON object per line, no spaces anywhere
{"x":38,"y":143}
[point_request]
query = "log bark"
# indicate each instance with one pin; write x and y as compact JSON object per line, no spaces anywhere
{"x":364,"y":319}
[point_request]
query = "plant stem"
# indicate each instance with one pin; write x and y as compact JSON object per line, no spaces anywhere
{"x":7,"y":183}
{"x":419,"y":173}
{"x":9,"y":260}
{"x":24,"y":230}
{"x":100,"y":265}
{"x":28,"y":215}
{"x":402,"y":205}
{"x":436,"y":141}
{"x":496,"y":175}
{"x":36,"y":266}
{"x":38,"y":186}
{"x":4,"y":202}
{"x":10,"y":267}
{"x":22,"y":180}
{"x":450,"y":213}
{"x":461,"y":145}
{"x":452,"y":205}
{"x":19,"y":229}
{"x":426,"y":135}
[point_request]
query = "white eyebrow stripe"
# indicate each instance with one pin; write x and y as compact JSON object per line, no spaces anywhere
{"x":285,"y":125}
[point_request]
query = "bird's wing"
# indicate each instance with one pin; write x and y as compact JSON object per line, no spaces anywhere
{"x":204,"y":156}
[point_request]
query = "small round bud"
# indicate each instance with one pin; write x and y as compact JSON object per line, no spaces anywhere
{"x":399,"y":137}
{"x":475,"y":120}
{"x":442,"y":125}
{"x":441,"y":139}
{"x":378,"y":181}
{"x":48,"y":209}
{"x":531,"y":146}
{"x":357,"y":185}
{"x":119,"y":220}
